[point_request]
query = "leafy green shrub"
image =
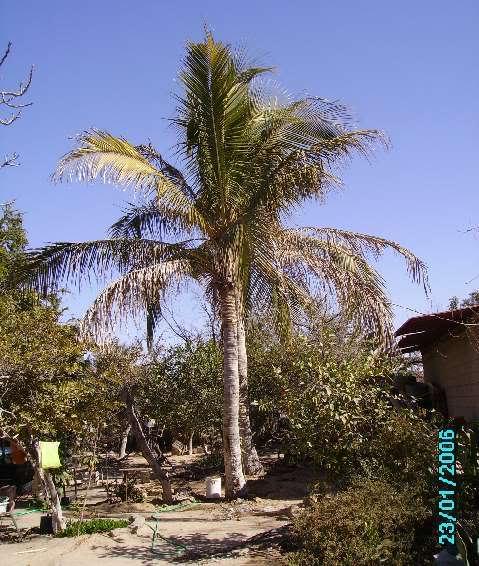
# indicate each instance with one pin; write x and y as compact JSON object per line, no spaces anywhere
{"x":130,"y":491}
{"x":77,"y":528}
{"x":328,"y":393}
{"x":371,"y":522}
{"x":182,"y":388}
{"x":211,"y":461}
{"x":403,"y":452}
{"x":468,"y":463}
{"x":385,"y":508}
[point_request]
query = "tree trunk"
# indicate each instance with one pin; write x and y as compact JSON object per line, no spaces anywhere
{"x":150,"y":329}
{"x":251,"y":462}
{"x":146,"y":451}
{"x":190,"y":443}
{"x":51,"y":493}
{"x":235,"y":481}
{"x":57,"y":513}
{"x":124,"y":441}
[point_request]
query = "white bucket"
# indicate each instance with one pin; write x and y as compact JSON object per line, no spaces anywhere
{"x":213,"y":488}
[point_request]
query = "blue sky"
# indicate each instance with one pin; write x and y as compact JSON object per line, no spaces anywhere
{"x":408,"y":68}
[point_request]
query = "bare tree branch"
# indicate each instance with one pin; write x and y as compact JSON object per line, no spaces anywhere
{"x":6,"y":54}
{"x":11,"y":99}
{"x":10,"y":120}
{"x":10,"y":161}
{"x":22,"y":88}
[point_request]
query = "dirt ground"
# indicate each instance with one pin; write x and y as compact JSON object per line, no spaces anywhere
{"x":245,"y":532}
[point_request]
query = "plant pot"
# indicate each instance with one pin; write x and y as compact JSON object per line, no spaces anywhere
{"x":46,"y":525}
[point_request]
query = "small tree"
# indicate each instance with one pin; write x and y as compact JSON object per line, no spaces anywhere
{"x":470,"y":301}
{"x":183,"y":391}
{"x":44,"y":377}
{"x":122,"y":369}
{"x":49,"y":391}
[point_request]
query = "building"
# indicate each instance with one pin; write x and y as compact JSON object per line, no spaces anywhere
{"x":449,"y":345}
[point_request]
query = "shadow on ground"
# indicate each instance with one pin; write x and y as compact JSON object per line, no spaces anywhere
{"x":197,"y":547}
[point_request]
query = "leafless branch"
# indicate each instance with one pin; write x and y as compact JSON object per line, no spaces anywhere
{"x":212,"y":321}
{"x":10,"y":161}
{"x":11,"y":99}
{"x":179,"y":331}
{"x":10,"y":120}
{"x":9,"y":95}
{"x":6,"y":54}
{"x":7,"y":102}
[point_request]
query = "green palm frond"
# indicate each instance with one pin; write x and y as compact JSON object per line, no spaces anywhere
{"x":172,"y":173}
{"x":114,"y":160}
{"x":151,"y":219}
{"x":213,"y":121}
{"x":296,"y":146}
{"x":339,"y":272}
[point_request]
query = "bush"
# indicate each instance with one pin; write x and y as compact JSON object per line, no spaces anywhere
{"x":213,"y":461}
{"x":403,"y":452}
{"x":385,"y":509}
{"x":330,"y":401}
{"x":77,"y":528}
{"x":131,"y":491}
{"x":369,"y":523}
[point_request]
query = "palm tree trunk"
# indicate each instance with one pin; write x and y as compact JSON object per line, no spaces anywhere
{"x":146,"y":451}
{"x":235,"y":481}
{"x":251,"y":462}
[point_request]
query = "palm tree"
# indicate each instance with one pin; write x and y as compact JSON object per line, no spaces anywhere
{"x":248,"y":159}
{"x":331,"y":256}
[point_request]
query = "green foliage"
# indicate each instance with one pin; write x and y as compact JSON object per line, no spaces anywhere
{"x":49,"y":389}
{"x":403,"y":451}
{"x":77,"y":528}
{"x":211,"y":462}
{"x":47,"y":381}
{"x":183,"y":390}
{"x":129,"y":491}
{"x":467,"y":458}
{"x":470,"y":301}
{"x":370,"y":523}
{"x":13,"y":240}
{"x":332,"y":391}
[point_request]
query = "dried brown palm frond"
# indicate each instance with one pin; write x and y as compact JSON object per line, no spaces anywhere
{"x":131,"y":295}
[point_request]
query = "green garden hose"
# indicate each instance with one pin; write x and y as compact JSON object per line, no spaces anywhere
{"x":29,"y":511}
{"x":180,"y":548}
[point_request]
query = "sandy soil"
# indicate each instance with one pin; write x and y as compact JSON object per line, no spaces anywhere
{"x":242,"y":533}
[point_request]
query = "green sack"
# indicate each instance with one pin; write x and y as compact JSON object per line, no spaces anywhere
{"x":49,"y":457}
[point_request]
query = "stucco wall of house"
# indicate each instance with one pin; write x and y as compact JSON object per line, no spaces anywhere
{"x":453,"y":364}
